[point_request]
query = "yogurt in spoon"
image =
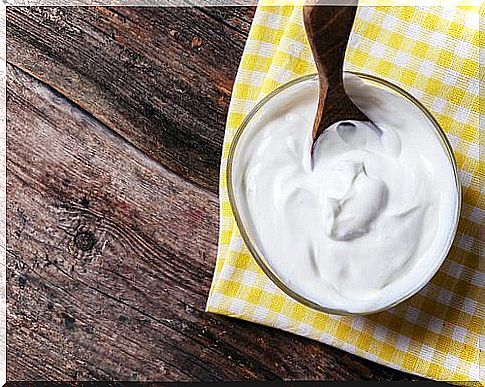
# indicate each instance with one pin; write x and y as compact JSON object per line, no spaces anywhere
{"x":369,"y":219}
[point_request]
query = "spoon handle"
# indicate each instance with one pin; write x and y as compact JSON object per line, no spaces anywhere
{"x":328,"y":30}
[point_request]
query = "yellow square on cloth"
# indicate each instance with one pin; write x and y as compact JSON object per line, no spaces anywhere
{"x":433,"y":53}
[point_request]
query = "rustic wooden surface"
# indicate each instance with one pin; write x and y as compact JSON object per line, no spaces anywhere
{"x":115,"y":126}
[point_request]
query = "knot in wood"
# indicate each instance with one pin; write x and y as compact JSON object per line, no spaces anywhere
{"x":85,"y":240}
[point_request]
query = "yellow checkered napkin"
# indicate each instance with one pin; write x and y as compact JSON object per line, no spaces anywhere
{"x":433,"y":53}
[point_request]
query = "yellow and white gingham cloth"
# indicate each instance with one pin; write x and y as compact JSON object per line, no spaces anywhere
{"x":433,"y":53}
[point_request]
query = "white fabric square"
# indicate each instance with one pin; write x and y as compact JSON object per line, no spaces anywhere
{"x":451,"y":362}
{"x":426,"y":353}
{"x":237,"y":306}
{"x":459,"y":334}
{"x":260,"y":313}
{"x":436,"y":325}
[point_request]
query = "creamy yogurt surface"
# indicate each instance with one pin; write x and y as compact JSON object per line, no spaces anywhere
{"x":364,"y":222}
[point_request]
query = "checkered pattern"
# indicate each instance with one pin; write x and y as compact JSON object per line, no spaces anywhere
{"x":433,"y":53}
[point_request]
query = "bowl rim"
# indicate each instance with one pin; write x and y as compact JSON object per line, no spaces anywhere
{"x":258,"y":257}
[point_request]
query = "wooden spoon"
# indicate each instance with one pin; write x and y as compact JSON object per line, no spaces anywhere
{"x":328,"y":30}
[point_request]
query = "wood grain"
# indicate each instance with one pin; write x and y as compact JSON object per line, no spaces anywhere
{"x":150,"y":74}
{"x":328,"y":31}
{"x":111,"y":232}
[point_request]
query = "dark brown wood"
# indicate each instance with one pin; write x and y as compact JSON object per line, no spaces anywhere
{"x":111,"y":243}
{"x":328,"y":30}
{"x":138,"y":71}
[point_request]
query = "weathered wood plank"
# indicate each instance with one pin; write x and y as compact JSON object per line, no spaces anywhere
{"x":160,"y":77}
{"x":237,"y":18}
{"x":110,"y":257}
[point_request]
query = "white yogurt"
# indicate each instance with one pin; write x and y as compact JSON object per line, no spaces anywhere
{"x":370,"y":220}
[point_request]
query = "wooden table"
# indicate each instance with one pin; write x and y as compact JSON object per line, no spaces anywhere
{"x":115,"y":127}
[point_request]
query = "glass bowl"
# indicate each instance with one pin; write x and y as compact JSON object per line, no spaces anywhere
{"x":243,"y":223}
